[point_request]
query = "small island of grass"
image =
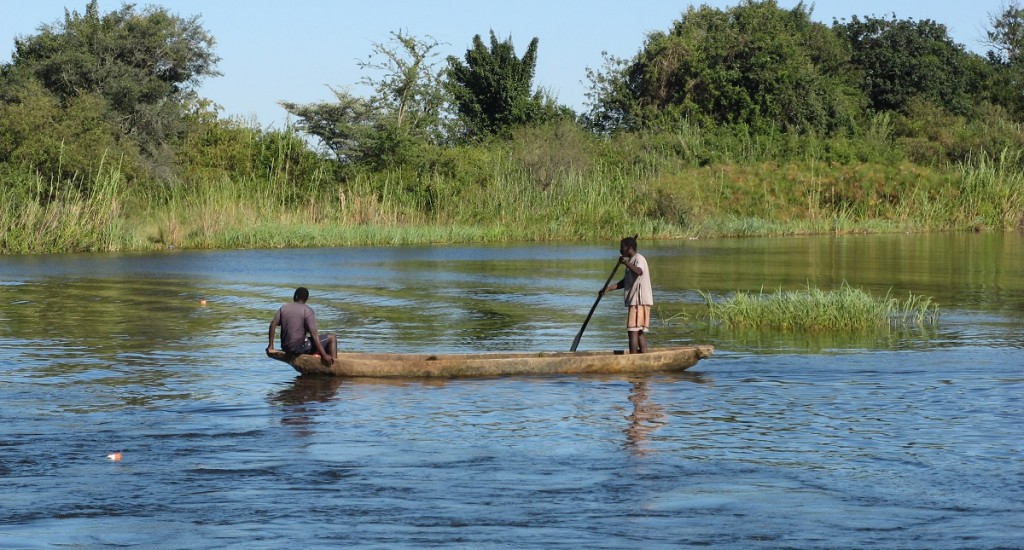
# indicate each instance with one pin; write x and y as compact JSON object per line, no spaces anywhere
{"x":815,"y":309}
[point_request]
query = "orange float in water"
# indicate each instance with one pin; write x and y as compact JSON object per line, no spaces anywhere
{"x":202,"y":302}
{"x":116,"y":457}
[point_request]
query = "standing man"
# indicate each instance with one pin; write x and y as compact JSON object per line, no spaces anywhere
{"x":639,"y":295}
{"x":298,"y":330}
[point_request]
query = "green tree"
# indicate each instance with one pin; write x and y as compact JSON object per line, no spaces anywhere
{"x":65,"y":144}
{"x":405,"y":111}
{"x":145,"y":64}
{"x":754,"y":64}
{"x":615,"y":102}
{"x":345,"y":127}
{"x":1005,"y":35}
{"x":901,"y":60}
{"x":406,"y":76}
{"x":216,"y":149}
{"x":492,"y":88}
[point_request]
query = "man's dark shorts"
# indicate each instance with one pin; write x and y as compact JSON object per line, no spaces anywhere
{"x":307,"y":345}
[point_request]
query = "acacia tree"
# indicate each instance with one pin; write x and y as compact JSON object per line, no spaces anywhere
{"x":754,"y":64}
{"x":406,"y":108}
{"x":491,"y":89}
{"x":344,"y":127}
{"x":145,"y":64}
{"x":408,"y":88}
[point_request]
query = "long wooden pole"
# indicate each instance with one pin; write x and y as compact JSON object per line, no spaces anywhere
{"x":579,"y":335}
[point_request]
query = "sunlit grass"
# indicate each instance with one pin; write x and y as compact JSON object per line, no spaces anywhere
{"x":815,"y":309}
{"x":488,"y":194}
{"x":395,"y":209}
{"x":991,"y":192}
{"x":40,"y":216}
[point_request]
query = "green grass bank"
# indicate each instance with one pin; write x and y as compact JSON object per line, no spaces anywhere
{"x":557,"y":183}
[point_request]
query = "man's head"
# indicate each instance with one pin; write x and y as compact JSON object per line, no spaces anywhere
{"x":627,"y":246}
{"x":301,"y":294}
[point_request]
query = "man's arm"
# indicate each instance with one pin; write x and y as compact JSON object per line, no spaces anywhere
{"x":273,"y":329}
{"x":637,"y":270}
{"x":325,"y":358}
{"x":311,"y":328}
{"x":613,"y":286}
{"x":273,"y":332}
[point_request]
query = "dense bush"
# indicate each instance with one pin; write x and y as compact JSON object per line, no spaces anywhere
{"x":755,"y":65}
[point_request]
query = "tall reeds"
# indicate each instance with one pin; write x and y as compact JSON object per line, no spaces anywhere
{"x":398,"y":207}
{"x":44,"y":216}
{"x":264,"y":192}
{"x":990,"y":193}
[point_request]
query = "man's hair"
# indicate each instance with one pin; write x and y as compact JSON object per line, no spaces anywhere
{"x":629,"y":242}
{"x":301,"y":294}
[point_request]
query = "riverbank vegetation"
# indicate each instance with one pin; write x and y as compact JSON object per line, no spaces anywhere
{"x":814,"y":309}
{"x":750,"y":120}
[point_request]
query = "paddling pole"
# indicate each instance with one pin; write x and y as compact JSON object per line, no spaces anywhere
{"x":579,"y":335}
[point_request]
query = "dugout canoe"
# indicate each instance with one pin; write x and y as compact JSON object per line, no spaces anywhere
{"x":378,"y":365}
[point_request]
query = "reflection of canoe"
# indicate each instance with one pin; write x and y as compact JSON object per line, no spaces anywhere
{"x":497,"y":364}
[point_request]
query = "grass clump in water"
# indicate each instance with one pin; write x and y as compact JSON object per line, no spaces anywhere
{"x":814,"y":309}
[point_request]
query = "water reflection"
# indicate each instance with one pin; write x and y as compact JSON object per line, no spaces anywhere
{"x":307,"y":395}
{"x":645,"y":418}
{"x":301,"y":398}
{"x":876,"y":448}
{"x":956,"y":269}
{"x":774,"y":341}
{"x":307,"y":398}
{"x":306,"y":389}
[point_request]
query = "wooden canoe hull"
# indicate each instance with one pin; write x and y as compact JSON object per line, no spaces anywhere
{"x":379,"y":365}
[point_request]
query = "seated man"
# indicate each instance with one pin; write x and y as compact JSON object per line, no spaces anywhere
{"x":297,"y":320}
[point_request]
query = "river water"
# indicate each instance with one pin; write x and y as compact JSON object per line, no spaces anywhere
{"x":910,"y":438}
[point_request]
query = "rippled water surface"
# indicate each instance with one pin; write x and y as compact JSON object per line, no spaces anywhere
{"x":909,"y":439}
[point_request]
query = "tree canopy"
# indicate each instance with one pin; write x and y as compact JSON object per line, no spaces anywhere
{"x":492,"y":88}
{"x":900,"y":60}
{"x":123,"y":85}
{"x":405,"y":109}
{"x":145,"y":64}
{"x":754,"y":64}
{"x":1005,"y":35}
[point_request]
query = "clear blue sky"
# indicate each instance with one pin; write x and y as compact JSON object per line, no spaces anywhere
{"x":273,"y":50}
